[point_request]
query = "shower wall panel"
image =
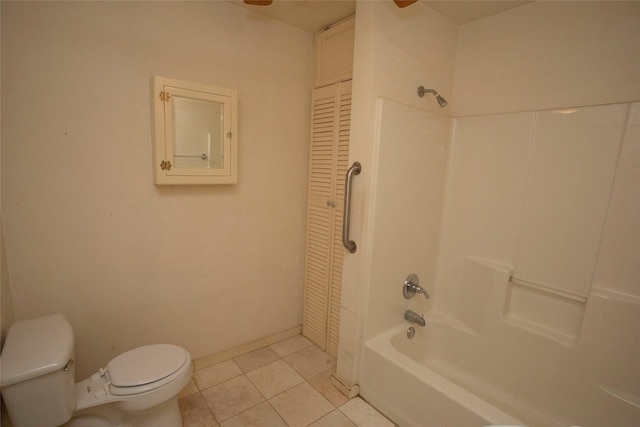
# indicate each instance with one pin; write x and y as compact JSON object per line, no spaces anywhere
{"x":485,"y":193}
{"x":552,"y":195}
{"x":412,"y":151}
{"x":573,"y":163}
{"x":618,"y":265}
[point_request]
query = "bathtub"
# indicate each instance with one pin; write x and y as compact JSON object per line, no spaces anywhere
{"x":450,"y":375}
{"x":413,"y":394}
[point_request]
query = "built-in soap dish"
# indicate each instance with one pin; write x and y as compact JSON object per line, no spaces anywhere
{"x":545,"y":312}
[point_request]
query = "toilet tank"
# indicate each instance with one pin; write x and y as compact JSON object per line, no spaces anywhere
{"x":37,"y":373}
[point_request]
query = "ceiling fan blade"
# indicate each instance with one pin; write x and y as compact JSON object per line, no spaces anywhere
{"x":402,"y":3}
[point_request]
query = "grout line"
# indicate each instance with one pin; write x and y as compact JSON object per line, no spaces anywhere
{"x":222,"y":357}
{"x":241,"y":350}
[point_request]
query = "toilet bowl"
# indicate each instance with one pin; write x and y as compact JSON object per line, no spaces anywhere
{"x":137,"y":388}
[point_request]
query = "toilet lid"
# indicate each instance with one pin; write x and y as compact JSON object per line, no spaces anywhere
{"x":145,"y":365}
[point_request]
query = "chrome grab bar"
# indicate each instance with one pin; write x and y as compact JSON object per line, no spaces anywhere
{"x":349,"y":244}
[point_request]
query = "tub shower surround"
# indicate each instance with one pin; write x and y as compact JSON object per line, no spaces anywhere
{"x":535,"y":310}
{"x":505,"y":374}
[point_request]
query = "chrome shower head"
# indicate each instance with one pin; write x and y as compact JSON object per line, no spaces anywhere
{"x":441,"y":101}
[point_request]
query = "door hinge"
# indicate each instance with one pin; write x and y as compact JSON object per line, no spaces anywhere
{"x":165,"y":165}
{"x":165,"y":97}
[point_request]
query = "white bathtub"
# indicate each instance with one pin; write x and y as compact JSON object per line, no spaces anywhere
{"x":449,"y":375}
{"x":414,"y":395}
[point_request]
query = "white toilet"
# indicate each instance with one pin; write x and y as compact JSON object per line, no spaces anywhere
{"x":139,"y":388}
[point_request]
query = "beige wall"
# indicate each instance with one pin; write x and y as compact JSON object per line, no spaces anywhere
{"x":546,"y":55}
{"x":87,"y":233}
{"x":396,"y":50}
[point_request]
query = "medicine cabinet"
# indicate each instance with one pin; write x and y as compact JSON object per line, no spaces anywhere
{"x":195,"y":133}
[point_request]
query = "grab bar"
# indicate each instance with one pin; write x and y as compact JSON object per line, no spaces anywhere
{"x":350,"y":245}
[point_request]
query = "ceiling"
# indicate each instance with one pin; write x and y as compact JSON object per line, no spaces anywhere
{"x":314,"y":15}
{"x":463,"y":12}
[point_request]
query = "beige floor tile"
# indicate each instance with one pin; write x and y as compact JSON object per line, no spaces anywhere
{"x":311,"y":361}
{"x":363,"y":414}
{"x":232,"y":397}
{"x":274,"y":378}
{"x":256,"y":359}
{"x":322,"y":383}
{"x":216,"y":374}
{"x":291,"y":345}
{"x":301,"y":405}
{"x":190,"y":388}
{"x":262,"y":415}
{"x":237,"y":399}
{"x":334,"y":419}
{"x":195,"y":412}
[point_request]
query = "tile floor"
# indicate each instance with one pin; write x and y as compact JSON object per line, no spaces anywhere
{"x":285,"y":384}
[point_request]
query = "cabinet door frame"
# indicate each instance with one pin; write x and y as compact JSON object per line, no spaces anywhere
{"x":333,"y":53}
{"x":166,"y":171}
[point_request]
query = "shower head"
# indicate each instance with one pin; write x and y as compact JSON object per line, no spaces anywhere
{"x":441,"y":101}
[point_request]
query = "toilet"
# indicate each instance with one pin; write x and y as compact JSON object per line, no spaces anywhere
{"x":138,"y":388}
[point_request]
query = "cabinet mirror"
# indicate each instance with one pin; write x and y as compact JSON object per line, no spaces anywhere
{"x":195,"y":133}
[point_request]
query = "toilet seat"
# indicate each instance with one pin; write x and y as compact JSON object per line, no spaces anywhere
{"x":146,"y":368}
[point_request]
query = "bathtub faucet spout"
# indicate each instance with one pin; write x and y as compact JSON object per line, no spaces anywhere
{"x":414,"y":317}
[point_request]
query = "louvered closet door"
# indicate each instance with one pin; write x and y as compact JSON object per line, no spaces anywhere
{"x":324,"y":131}
{"x":328,"y":159}
{"x":342,"y":157}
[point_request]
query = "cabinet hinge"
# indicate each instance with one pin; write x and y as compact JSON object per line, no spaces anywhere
{"x":165,"y":97}
{"x":165,"y":165}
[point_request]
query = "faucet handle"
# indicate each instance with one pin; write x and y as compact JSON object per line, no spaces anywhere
{"x":411,"y":286}
{"x":423,"y":291}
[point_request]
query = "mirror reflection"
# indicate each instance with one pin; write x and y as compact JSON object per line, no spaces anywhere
{"x":198,"y":133}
